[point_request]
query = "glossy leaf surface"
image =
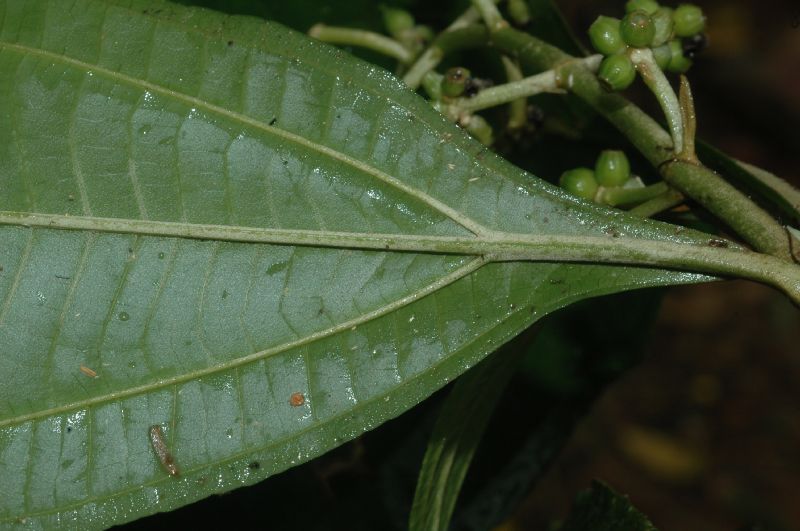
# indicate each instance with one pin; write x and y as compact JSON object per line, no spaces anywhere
{"x":195,"y":212}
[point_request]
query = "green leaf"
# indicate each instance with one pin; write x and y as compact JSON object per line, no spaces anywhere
{"x":599,"y":508}
{"x":771,"y":189}
{"x":456,"y":435}
{"x":255,"y":242}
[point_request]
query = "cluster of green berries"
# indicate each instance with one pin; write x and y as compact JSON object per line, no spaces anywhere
{"x":646,"y":24}
{"x":611,"y":170}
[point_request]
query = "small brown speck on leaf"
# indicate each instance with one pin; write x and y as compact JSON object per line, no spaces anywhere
{"x":297,"y":399}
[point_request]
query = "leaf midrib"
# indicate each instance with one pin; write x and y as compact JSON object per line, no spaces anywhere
{"x":494,"y":245}
{"x":247,"y":121}
{"x":666,"y":252}
{"x":673,"y":252}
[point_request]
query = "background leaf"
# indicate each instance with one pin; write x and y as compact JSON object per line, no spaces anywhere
{"x":599,"y":508}
{"x":548,"y":24}
{"x":140,"y":143}
{"x":455,"y":438}
{"x":776,"y":193}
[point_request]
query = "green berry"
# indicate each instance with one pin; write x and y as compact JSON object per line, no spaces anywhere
{"x":612,"y":168}
{"x":519,"y":12}
{"x":423,"y":33}
{"x":637,"y":29}
{"x":648,"y":6}
{"x":397,"y":21}
{"x":678,"y":62}
{"x":688,"y":19}
{"x":580,"y":182}
{"x":662,"y":19}
{"x":455,"y":82}
{"x":605,"y":36}
{"x":663,"y":55}
{"x":616,"y":72}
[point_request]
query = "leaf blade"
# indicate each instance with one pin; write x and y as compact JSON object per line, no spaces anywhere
{"x":210,"y":338}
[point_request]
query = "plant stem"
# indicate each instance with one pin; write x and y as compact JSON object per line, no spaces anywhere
{"x":427,"y":61}
{"x":463,"y":37}
{"x":728,"y":204}
{"x":548,"y":81}
{"x":432,"y":85}
{"x":746,"y":218}
{"x":490,"y":14}
{"x":625,"y":196}
{"x":517,"y":109}
{"x":365,"y":39}
{"x":665,"y":201}
{"x":470,"y":16}
{"x":508,"y":92}
{"x":448,"y":41}
{"x":659,"y":85}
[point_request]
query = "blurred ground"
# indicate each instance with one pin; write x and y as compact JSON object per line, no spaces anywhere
{"x":705,"y":433}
